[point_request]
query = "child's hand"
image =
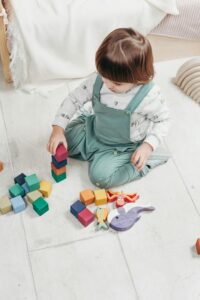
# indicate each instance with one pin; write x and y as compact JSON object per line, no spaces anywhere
{"x":140,"y":156}
{"x":57,"y":137}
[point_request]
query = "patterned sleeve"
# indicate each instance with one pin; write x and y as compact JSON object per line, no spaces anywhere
{"x":74,"y":102}
{"x":158,"y":116}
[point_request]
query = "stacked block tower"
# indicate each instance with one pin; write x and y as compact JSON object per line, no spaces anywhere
{"x":58,"y":164}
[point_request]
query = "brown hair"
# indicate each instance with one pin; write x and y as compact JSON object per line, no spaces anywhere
{"x":125,"y":55}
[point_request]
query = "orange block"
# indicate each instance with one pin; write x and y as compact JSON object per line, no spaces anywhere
{"x":87,"y":196}
{"x":58,"y":171}
{"x":1,"y":166}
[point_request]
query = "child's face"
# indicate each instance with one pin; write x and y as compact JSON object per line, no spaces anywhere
{"x":117,"y":87}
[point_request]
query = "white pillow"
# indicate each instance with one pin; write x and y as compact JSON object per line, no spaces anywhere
{"x":168,"y":6}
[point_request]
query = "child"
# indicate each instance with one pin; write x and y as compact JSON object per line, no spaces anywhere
{"x":117,"y":118}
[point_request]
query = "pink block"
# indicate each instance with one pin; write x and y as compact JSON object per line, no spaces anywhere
{"x":61,"y":153}
{"x":86,"y":217}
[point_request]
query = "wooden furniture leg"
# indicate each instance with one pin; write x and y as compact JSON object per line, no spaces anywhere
{"x":4,"y":54}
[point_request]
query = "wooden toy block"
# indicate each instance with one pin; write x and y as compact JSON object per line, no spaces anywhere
{"x":20,"y":179}
{"x":40,"y":206}
{"x":58,"y":171}
{"x":87,"y":197}
{"x":86,"y":217}
{"x":16,"y":190}
{"x":100,"y":197}
{"x":45,"y":188}
{"x":1,"y":166}
{"x":32,"y":182}
{"x":18,"y":204}
{"x":59,"y":164}
{"x":76,"y":208}
{"x":5,"y":205}
{"x":61,"y":153}
{"x":32,"y":196}
{"x":198,"y":246}
{"x":25,"y":188}
{"x":59,"y":177}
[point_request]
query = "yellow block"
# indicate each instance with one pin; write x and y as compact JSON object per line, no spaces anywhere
{"x":100,"y":197}
{"x":32,"y":196}
{"x":5,"y":205}
{"x":45,"y":188}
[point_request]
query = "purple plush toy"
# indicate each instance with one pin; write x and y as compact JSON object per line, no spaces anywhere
{"x":125,"y":217}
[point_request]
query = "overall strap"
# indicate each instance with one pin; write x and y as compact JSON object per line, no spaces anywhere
{"x":96,"y":89}
{"x":137,"y":99}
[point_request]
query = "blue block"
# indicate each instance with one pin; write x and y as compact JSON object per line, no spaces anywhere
{"x":77,"y":207}
{"x":20,"y":179}
{"x":18,"y":204}
{"x":59,"y":164}
{"x":25,"y":188}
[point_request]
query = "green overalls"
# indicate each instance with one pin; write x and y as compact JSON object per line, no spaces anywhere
{"x":103,"y":139}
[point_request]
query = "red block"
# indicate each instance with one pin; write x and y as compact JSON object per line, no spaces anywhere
{"x":86,"y":217}
{"x":61,"y":153}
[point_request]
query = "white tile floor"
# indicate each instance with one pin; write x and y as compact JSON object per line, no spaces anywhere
{"x":54,"y":257}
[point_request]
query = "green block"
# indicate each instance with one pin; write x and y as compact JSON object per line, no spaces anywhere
{"x":40,"y":206}
{"x":59,"y":177}
{"x":16,"y":190}
{"x":5,"y":205}
{"x":32,"y":182}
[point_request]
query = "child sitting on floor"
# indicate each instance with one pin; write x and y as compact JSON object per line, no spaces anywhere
{"x":117,"y":118}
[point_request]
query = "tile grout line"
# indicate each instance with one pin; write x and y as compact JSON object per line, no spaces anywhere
{"x":126,"y":262}
{"x":29,"y":258}
{"x":183,"y":181}
{"x":90,"y":238}
{"x":86,"y":239}
{"x":67,"y":243}
{"x":21,"y":219}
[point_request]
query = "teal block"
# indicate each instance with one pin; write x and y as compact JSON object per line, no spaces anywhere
{"x":32,"y":182}
{"x":16,"y":190}
{"x":40,"y":206}
{"x":59,"y":177}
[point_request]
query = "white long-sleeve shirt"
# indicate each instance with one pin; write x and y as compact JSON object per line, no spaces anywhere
{"x":150,"y":120}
